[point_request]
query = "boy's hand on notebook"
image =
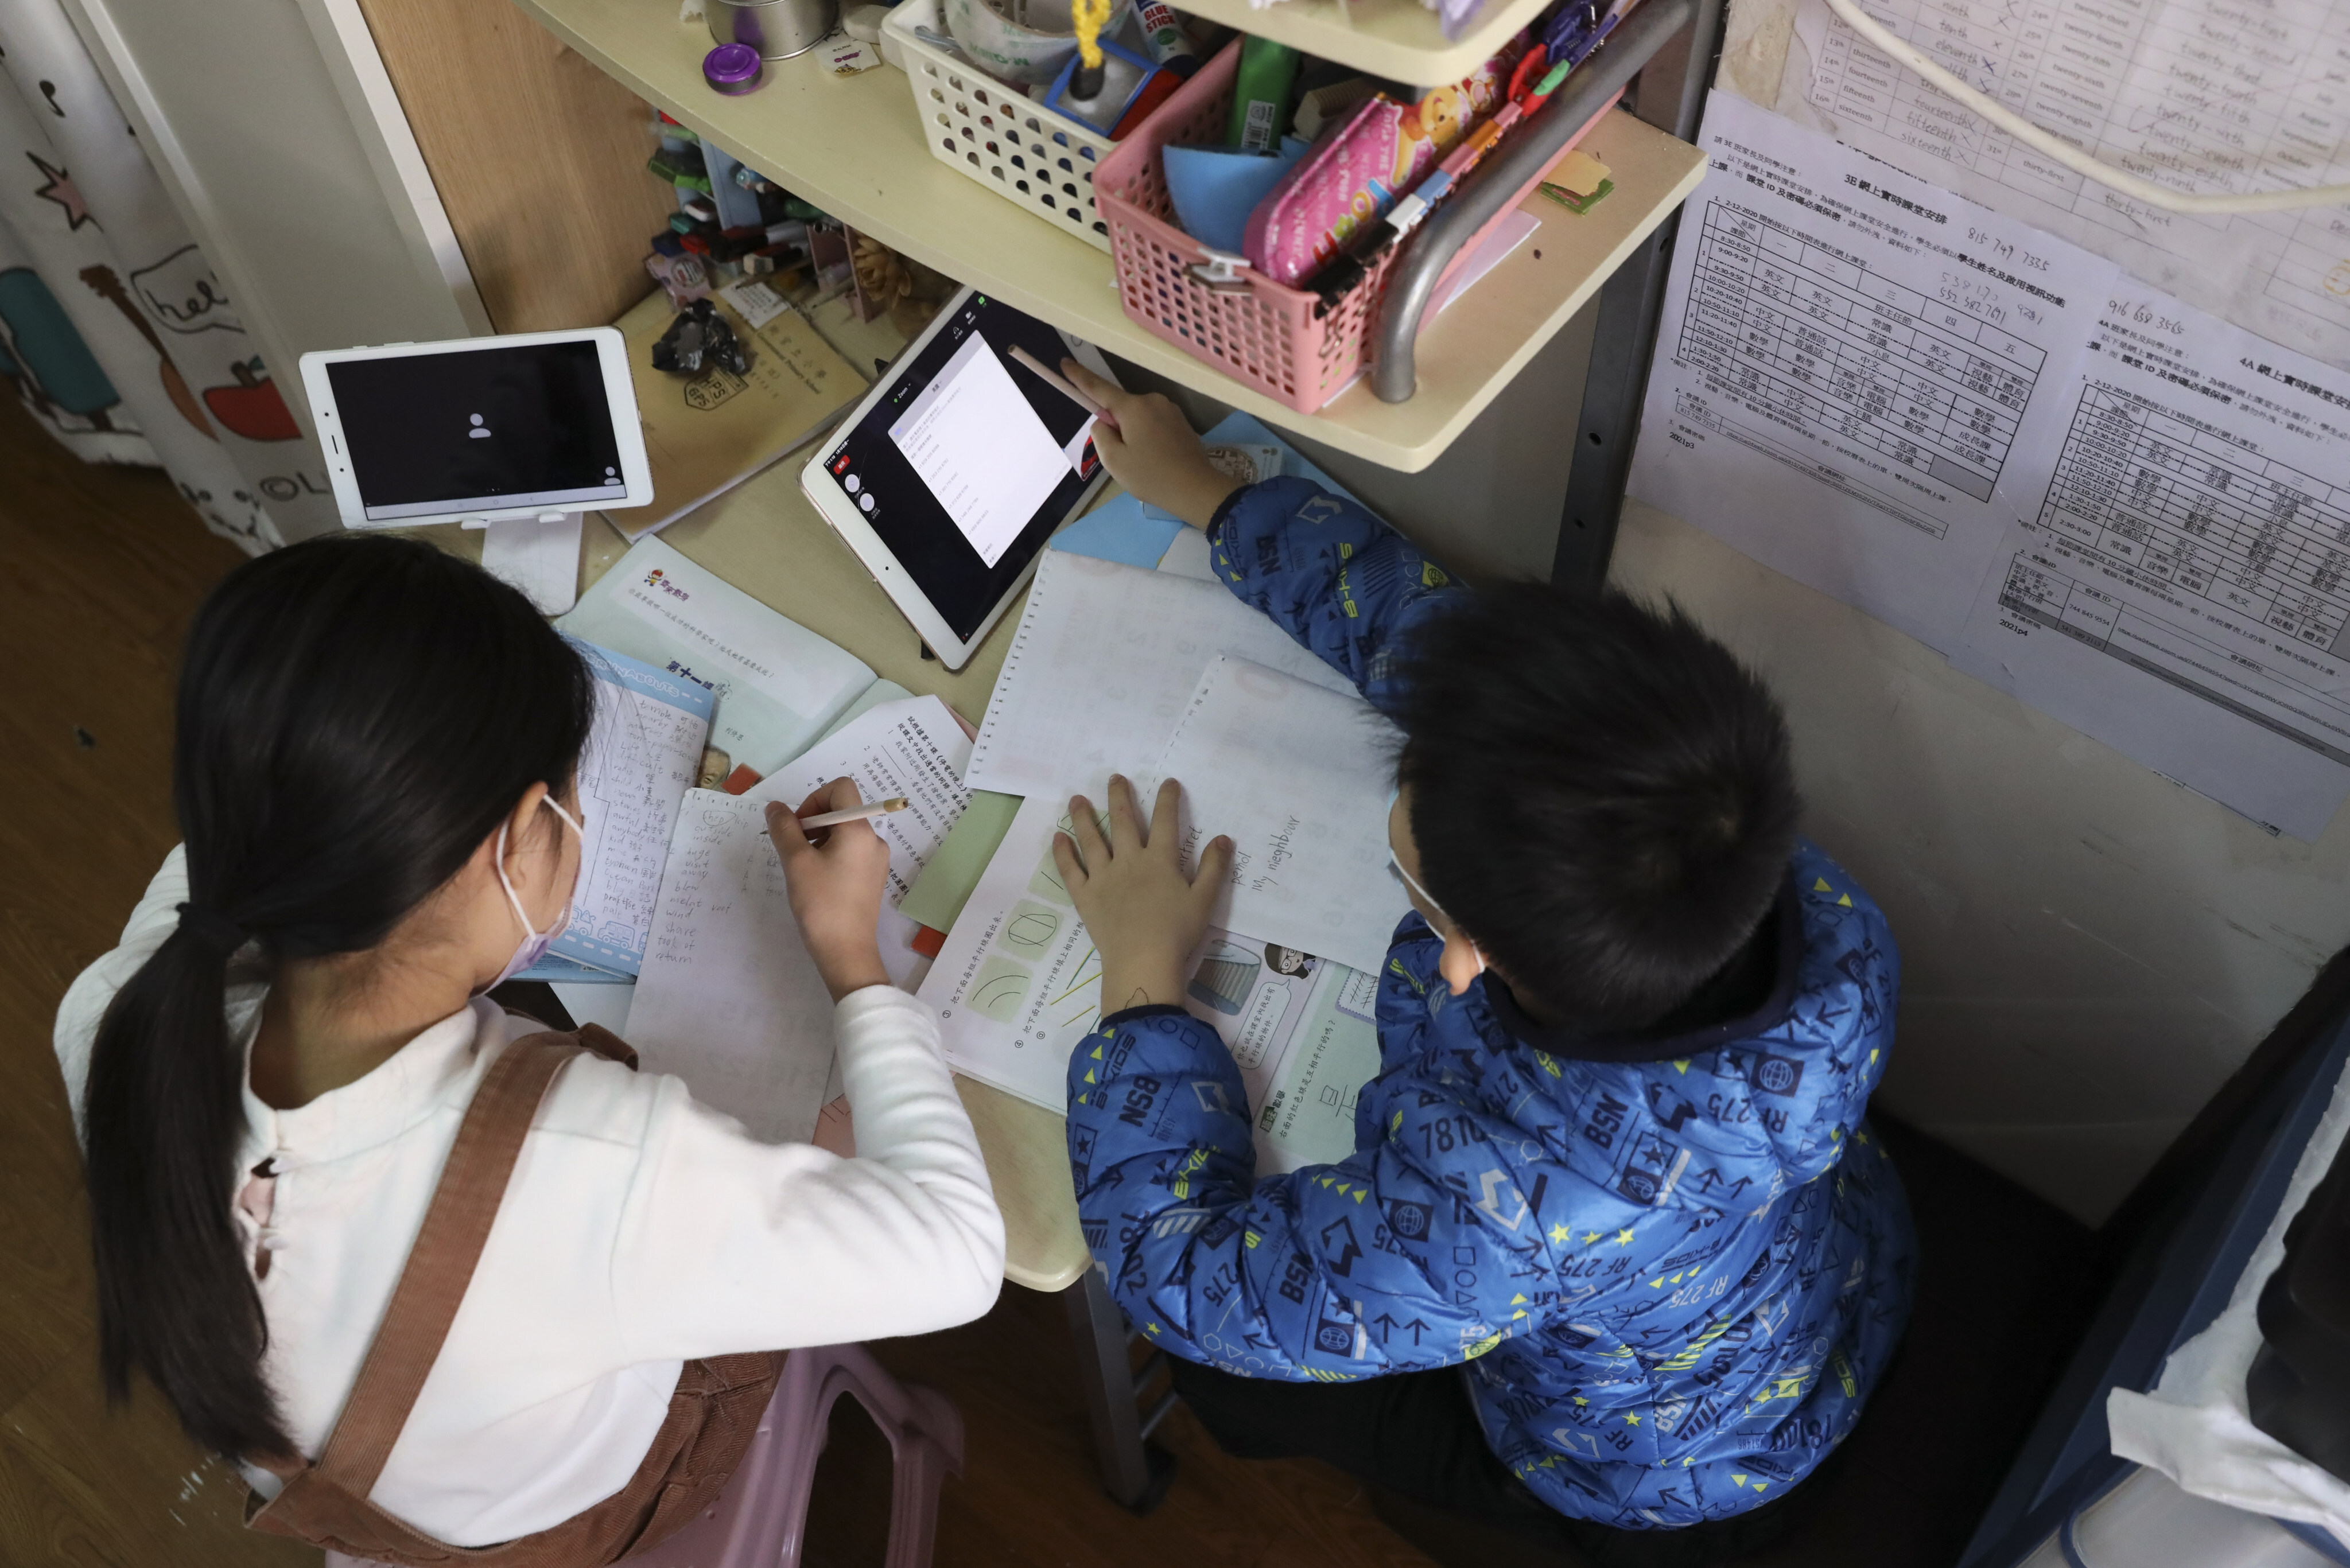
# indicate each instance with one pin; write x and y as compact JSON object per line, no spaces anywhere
{"x":1153,"y":451}
{"x":836,"y":881}
{"x":1144,"y":914}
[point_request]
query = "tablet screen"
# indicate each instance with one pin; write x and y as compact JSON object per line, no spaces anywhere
{"x":971,"y":461}
{"x":528,"y":425}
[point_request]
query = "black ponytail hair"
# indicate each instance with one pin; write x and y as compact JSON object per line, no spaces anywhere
{"x":355,"y":716}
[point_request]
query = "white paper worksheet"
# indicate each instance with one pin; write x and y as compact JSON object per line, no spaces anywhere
{"x":1297,"y":775}
{"x":1849,"y":364}
{"x":1018,"y":986}
{"x":728,"y":999}
{"x":2180,"y":586}
{"x":2199,"y":97}
{"x":1105,"y":659}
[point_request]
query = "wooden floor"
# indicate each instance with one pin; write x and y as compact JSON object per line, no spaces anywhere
{"x":110,"y":565}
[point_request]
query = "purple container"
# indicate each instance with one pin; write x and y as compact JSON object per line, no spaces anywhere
{"x":733,"y":68}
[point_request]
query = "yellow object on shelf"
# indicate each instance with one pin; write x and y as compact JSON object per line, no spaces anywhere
{"x":1580,"y":173}
{"x":1088,"y":17}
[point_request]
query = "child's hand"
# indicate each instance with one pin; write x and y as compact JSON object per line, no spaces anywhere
{"x":1144,"y":914}
{"x":835,"y":882}
{"x":1153,"y":451}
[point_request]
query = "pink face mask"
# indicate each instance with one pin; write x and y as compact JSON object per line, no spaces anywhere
{"x":534,"y":943}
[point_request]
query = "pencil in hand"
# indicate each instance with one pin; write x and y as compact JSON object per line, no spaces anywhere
{"x":1066,"y":388}
{"x":865,"y":813}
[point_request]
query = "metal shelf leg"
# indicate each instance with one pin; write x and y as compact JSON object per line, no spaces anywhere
{"x":1134,"y":1471}
{"x":1622,"y":344}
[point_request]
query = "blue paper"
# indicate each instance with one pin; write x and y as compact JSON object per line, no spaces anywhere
{"x":1247,"y":430}
{"x":1121,"y":529}
{"x":1215,"y":189}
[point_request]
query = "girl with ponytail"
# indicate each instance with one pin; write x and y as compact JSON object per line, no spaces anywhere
{"x":374,"y":778}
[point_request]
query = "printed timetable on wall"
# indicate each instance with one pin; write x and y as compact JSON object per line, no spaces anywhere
{"x":2123,"y":510}
{"x":2199,"y":96}
{"x":1856,"y":360}
{"x":2180,"y":584}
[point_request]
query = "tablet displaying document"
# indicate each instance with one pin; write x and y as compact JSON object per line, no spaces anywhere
{"x":949,"y":478}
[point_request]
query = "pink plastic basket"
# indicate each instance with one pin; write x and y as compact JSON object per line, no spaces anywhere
{"x":1261,"y":333}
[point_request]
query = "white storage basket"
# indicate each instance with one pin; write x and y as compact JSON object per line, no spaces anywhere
{"x":1018,"y":148}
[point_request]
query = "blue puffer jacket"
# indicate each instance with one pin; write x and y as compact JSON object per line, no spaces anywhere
{"x":1675,"y":1267}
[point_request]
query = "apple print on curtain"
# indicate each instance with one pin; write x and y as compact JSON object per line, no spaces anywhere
{"x":90,"y":237}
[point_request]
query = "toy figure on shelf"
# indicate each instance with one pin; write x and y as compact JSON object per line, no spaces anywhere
{"x":699,"y":337}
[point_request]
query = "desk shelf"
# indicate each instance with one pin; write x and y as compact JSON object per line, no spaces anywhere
{"x":1399,"y":39}
{"x":853,"y":146}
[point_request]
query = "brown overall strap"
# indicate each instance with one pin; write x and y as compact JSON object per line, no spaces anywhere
{"x":441,"y":1264}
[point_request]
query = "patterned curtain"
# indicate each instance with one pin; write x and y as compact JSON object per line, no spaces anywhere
{"x":123,"y":343}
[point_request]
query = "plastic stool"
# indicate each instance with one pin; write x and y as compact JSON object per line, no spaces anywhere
{"x":760,"y":1521}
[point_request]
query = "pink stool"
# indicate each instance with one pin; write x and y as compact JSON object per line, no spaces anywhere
{"x":761,"y":1519}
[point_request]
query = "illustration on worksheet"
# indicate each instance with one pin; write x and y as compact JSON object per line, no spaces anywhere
{"x":1018,"y":986}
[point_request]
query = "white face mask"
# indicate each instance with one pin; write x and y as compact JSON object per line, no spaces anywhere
{"x":1412,"y":882}
{"x":534,"y":944}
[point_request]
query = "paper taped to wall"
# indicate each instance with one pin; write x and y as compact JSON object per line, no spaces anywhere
{"x":2201,"y":98}
{"x":1849,"y":363}
{"x":2180,"y":586}
{"x":2138,"y":537}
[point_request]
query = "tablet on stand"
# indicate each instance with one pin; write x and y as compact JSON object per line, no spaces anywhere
{"x":519,"y":434}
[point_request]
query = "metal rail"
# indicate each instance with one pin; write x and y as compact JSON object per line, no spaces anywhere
{"x":1411,"y":284}
{"x":1623,"y":341}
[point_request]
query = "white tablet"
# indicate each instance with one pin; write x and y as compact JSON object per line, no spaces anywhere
{"x":949,"y":476}
{"x":480,"y":430}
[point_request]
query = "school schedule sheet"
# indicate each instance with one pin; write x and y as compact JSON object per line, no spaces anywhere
{"x":2202,"y":98}
{"x":2116,"y":507}
{"x":2179,"y":585}
{"x":1849,"y":364}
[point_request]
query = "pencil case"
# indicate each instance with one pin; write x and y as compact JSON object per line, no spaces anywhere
{"x":1356,"y":173}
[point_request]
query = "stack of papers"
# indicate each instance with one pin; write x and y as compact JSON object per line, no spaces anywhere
{"x":1158,"y":675}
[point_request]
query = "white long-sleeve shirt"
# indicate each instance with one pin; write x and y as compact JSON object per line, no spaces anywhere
{"x":641,"y":1229}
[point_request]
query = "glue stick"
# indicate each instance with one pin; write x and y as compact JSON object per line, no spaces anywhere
{"x":1163,"y":36}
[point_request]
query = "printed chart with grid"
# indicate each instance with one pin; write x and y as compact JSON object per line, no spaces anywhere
{"x":1812,"y":340}
{"x":2205,"y":516}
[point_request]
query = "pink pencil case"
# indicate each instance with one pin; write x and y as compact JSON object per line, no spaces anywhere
{"x":1356,"y":171}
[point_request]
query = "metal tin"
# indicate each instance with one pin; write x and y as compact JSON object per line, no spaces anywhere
{"x":733,"y":68}
{"x":778,"y":29}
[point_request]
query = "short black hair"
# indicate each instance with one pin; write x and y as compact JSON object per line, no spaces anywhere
{"x":1603,"y":797}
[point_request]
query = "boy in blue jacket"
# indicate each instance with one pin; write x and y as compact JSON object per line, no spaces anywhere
{"x":1617,"y":1261}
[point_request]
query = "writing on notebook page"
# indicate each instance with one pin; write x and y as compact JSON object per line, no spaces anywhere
{"x":643,"y":751}
{"x":1105,"y":659}
{"x":1298,"y":777}
{"x":729,"y":999}
{"x":982,"y":450}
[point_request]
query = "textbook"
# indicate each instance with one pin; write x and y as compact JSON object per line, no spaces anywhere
{"x":778,"y":686}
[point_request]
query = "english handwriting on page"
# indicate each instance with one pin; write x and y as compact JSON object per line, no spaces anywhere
{"x":729,"y":999}
{"x":1297,"y":776}
{"x":1103,"y":662}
